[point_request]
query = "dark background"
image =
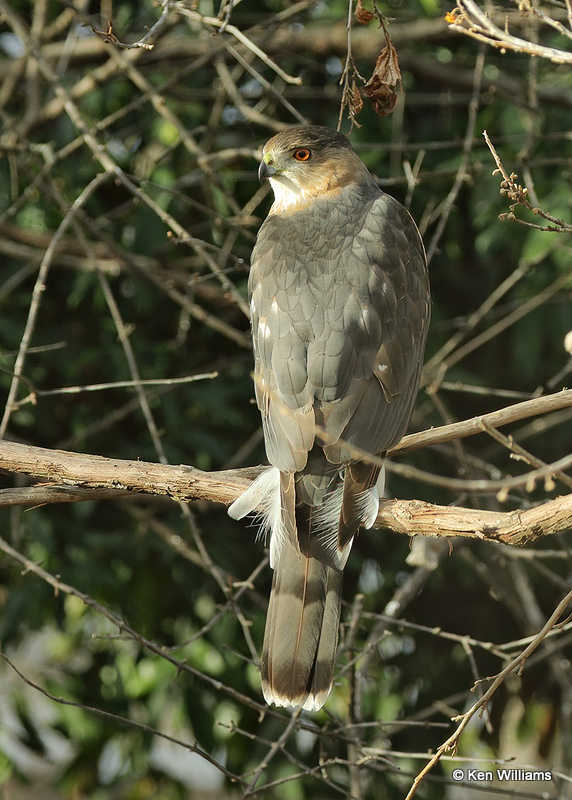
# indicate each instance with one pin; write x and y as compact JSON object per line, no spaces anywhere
{"x":125,"y":296}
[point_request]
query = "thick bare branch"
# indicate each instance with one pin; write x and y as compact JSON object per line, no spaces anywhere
{"x":96,"y":472}
{"x":104,"y":475}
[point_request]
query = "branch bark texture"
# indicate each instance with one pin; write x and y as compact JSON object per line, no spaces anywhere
{"x":78,"y":476}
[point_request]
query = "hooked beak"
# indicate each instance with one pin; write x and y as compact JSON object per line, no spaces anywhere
{"x":265,"y":171}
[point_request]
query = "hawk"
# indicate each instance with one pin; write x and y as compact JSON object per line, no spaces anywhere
{"x":339,"y":296}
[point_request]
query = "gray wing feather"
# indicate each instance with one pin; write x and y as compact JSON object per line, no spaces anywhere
{"x":283,"y":424}
{"x":339,"y":323}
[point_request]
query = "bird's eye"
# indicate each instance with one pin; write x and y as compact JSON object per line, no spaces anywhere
{"x":302,"y":154}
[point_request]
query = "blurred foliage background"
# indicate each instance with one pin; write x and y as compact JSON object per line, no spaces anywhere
{"x":128,"y":208}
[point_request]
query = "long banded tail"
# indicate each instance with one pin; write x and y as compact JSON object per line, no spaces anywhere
{"x":308,"y":550}
{"x":301,"y":636}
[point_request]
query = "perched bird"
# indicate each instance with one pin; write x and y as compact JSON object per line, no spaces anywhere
{"x":339,"y":296}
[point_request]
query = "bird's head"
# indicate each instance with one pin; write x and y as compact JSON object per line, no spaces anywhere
{"x":305,"y":163}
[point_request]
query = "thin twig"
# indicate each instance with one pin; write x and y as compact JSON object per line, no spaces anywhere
{"x":192,"y":747}
{"x":451,"y":743}
{"x":519,"y":196}
{"x":38,"y":294}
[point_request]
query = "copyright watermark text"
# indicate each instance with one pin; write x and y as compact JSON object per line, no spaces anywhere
{"x":480,"y":775}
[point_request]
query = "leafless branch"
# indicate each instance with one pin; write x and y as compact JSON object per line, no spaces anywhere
{"x":519,"y":197}
{"x":451,"y":743}
{"x":188,"y":483}
{"x":468,"y":18}
{"x":102,"y":133}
